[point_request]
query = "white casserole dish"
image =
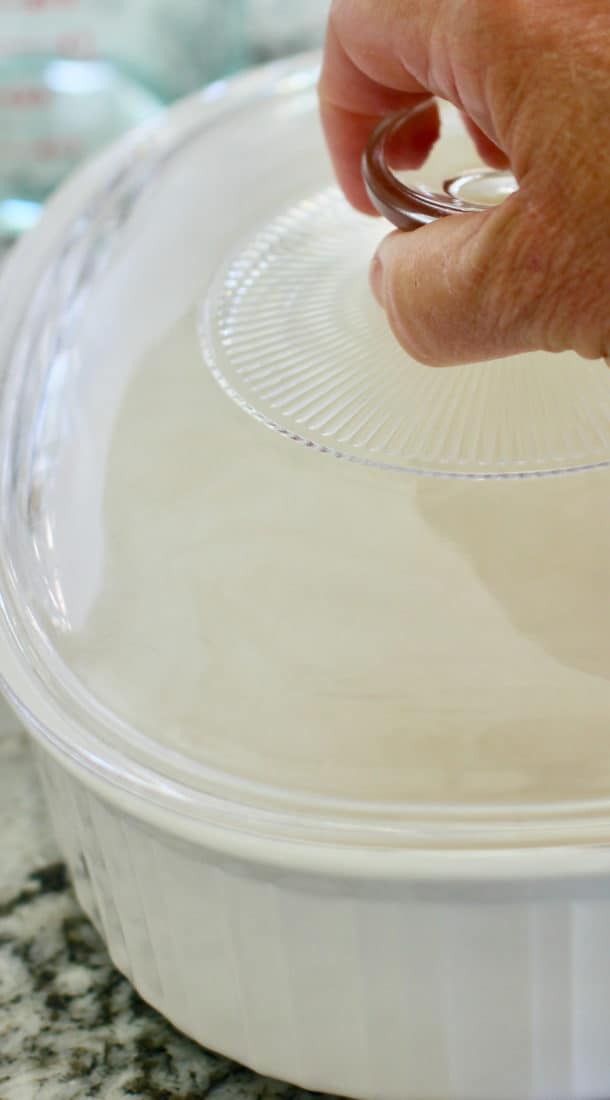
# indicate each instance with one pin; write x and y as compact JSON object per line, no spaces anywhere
{"x":368,"y":945}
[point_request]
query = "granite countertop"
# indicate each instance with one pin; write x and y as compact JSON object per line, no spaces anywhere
{"x":71,"y":1027}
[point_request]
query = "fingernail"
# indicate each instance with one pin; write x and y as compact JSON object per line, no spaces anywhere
{"x":376,"y":278}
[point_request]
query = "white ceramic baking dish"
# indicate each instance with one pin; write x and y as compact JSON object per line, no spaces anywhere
{"x":378,"y":948}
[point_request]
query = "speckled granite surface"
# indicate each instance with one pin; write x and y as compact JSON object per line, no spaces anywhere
{"x":70,"y":1026}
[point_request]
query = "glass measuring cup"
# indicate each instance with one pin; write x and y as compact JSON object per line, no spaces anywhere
{"x":276,"y":28}
{"x":74,"y":74}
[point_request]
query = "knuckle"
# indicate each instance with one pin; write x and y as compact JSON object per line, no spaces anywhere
{"x":507,"y":275}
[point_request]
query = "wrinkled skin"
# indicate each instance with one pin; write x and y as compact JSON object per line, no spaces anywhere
{"x":533,"y":78}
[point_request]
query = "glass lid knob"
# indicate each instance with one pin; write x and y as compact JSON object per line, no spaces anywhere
{"x":409,"y":207}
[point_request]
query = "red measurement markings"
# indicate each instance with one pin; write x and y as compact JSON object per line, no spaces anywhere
{"x":47,"y":149}
{"x":24,"y":97}
{"x":37,"y":5}
{"x":69,"y":43}
{"x":43,"y":151}
{"x":77,"y":44}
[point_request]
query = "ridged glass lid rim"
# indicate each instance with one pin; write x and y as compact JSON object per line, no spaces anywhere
{"x":79,"y":729}
{"x":320,"y":368}
{"x":84,"y":737}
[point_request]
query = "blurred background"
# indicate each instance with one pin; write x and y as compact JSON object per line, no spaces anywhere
{"x":75,"y":74}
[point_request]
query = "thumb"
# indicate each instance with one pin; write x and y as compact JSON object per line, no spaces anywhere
{"x":467,"y":287}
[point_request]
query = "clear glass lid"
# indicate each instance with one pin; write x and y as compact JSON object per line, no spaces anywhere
{"x":220,"y":571}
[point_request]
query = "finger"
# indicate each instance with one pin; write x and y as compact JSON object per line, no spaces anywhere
{"x":467,"y":287}
{"x":351,"y":106}
{"x":486,"y":148}
{"x":413,"y":140}
{"x":380,"y":57}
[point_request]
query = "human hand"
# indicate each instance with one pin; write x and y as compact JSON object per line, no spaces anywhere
{"x":533,"y":79}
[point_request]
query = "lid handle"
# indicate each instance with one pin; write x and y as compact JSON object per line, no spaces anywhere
{"x":409,"y":208}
